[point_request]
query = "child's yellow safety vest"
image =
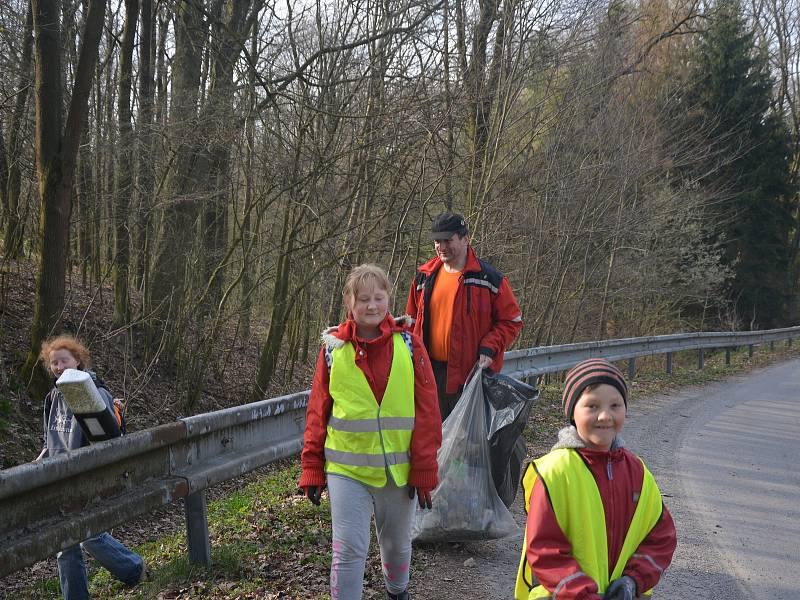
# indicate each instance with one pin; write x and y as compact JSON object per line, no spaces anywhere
{"x":363,"y":437}
{"x":579,"y":511}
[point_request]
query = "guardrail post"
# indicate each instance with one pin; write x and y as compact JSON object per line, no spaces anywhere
{"x":750,"y":351}
{"x":789,"y":343}
{"x":772,"y":346}
{"x":701,"y":359}
{"x":631,"y":367}
{"x":727,"y":356}
{"x":669,"y":363}
{"x":197,"y":529}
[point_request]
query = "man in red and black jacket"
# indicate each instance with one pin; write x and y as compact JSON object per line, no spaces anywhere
{"x":463,"y":309}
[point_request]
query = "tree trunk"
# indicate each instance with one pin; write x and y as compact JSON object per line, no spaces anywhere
{"x":12,"y":241}
{"x":217,"y":118}
{"x":56,"y":155}
{"x":124,"y":173}
{"x":160,"y":115}
{"x":248,"y":233}
{"x":169,"y":263}
{"x":3,"y":172}
{"x":144,"y":137}
{"x":84,"y":191}
{"x":478,"y":85}
{"x":448,"y":99}
{"x":107,"y":179}
{"x":280,"y":309}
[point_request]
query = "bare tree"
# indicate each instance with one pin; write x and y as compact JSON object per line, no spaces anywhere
{"x":10,"y":165}
{"x":56,"y":152}
{"x":124,"y":169}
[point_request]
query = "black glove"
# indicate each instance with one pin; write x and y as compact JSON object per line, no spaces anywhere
{"x":314,"y":493}
{"x":423,"y":496}
{"x":623,"y":588}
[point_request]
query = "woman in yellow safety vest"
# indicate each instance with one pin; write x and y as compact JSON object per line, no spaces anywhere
{"x":372,"y":433}
{"x":597,"y":528}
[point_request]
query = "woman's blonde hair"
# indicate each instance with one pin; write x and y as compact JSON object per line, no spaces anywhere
{"x":71,"y":345}
{"x":362,"y":276}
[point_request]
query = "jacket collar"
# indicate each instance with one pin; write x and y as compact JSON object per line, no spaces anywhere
{"x":336,"y":337}
{"x":568,"y":438}
{"x":434,"y":264}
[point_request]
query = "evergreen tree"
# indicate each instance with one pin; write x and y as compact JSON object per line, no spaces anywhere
{"x":748,"y":169}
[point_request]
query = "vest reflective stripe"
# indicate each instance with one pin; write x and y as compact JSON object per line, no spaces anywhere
{"x":365,"y":439}
{"x":367,"y":425}
{"x":580,"y":514}
{"x":355,"y":459}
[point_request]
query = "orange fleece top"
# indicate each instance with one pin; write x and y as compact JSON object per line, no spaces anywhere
{"x":443,"y":298}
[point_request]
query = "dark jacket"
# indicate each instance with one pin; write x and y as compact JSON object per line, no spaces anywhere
{"x":486,"y":316}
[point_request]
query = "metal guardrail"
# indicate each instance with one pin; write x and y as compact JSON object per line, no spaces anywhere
{"x":531,"y":362}
{"x":60,"y":501}
{"x":53,"y":504}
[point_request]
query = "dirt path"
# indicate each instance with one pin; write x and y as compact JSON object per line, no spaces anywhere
{"x":489,"y":572}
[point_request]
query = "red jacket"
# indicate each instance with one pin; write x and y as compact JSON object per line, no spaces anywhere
{"x":618,"y":474}
{"x":486,"y":316}
{"x":374,"y":358}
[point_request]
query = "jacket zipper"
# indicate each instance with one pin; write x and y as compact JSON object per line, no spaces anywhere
{"x":389,"y":474}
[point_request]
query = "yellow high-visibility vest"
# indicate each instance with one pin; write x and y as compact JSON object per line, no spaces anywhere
{"x":364,"y":439}
{"x":579,"y":511}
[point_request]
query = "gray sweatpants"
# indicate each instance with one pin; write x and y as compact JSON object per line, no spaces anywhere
{"x":352,"y":506}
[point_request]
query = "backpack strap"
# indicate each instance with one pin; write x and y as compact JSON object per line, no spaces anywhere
{"x":121,"y":421}
{"x":48,"y":405}
{"x":409,"y":344}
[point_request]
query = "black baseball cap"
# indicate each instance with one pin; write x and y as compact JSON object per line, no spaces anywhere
{"x":446,"y":224}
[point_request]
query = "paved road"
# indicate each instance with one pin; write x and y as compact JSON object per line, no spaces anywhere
{"x":726,"y":459}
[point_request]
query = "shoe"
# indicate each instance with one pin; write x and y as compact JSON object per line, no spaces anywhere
{"x":401,"y":596}
{"x":144,"y":575}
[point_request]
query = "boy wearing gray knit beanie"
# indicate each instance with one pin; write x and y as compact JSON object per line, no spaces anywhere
{"x":597,"y":528}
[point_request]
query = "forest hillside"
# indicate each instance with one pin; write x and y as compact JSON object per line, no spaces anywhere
{"x":185,"y":183}
{"x":149,"y":393}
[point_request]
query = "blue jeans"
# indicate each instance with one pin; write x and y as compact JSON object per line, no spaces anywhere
{"x":124,"y":564}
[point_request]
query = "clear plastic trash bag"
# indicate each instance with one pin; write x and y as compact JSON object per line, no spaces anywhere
{"x":508,"y":405}
{"x":465,"y":503}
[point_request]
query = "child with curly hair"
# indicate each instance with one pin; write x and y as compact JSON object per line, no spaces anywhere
{"x":62,"y":434}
